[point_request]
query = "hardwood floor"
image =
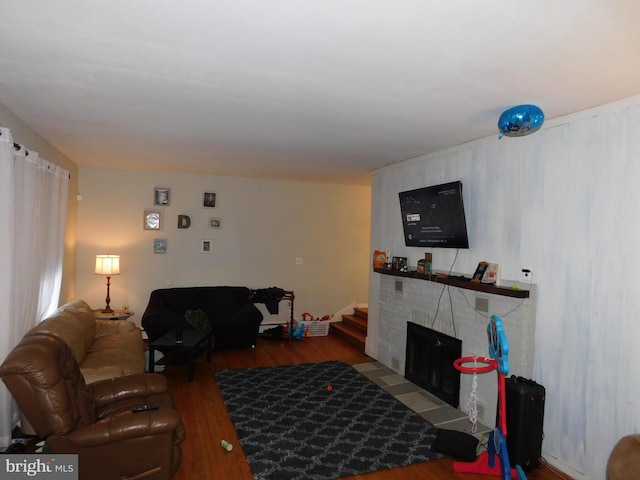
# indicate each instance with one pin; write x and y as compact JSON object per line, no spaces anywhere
{"x":207,"y":422}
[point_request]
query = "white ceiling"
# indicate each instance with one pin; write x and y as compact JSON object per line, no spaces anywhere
{"x":316,"y":90}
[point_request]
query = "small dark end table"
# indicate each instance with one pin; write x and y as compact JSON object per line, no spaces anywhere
{"x":192,"y":345}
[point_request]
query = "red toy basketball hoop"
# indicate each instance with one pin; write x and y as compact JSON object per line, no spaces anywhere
{"x":499,"y":360}
{"x":489,"y":364}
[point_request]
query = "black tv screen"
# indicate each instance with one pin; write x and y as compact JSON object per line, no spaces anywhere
{"x":434,"y":216}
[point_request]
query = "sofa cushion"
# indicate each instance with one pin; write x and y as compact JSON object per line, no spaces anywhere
{"x":92,"y":375}
{"x":75,"y":323}
{"x":109,"y":327}
{"x":121,"y":352}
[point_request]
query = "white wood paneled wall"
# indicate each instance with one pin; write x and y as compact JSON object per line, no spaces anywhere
{"x":563,"y":202}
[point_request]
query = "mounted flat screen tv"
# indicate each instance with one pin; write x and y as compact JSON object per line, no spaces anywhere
{"x":434,"y":217}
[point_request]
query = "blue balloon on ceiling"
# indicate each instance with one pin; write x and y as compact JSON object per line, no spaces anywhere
{"x":519,"y":121}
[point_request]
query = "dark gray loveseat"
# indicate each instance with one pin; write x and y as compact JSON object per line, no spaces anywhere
{"x":235,"y":320}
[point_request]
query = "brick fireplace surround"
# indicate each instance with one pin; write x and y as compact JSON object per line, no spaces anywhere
{"x":415,"y":300}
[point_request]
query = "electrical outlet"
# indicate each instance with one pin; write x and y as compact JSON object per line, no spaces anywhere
{"x":526,"y":275}
{"x":298,"y":260}
{"x":482,"y":304}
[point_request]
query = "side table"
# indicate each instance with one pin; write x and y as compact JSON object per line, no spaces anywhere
{"x":117,"y":315}
{"x":192,"y":344}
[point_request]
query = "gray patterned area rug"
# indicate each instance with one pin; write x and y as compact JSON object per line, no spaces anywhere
{"x":292,"y":426}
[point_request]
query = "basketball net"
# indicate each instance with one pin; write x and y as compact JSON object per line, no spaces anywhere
{"x":472,"y":406}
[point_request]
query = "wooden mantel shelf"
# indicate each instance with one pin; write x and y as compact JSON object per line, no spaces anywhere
{"x":458,"y":282}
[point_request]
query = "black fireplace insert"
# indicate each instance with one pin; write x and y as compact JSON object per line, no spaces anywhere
{"x":429,"y":362}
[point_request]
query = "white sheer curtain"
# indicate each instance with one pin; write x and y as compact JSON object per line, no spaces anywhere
{"x":33,"y":208}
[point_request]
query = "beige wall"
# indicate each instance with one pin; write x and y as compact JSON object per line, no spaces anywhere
{"x":266,"y":225}
{"x":26,"y":136}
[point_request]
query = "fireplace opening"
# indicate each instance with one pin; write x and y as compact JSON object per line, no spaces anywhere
{"x":429,"y":362}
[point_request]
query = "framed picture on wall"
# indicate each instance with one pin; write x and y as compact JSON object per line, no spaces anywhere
{"x":209,"y":199}
{"x":215,"y":223}
{"x":160,"y":245}
{"x":161,"y":196}
{"x":152,"y":220}
{"x":206,"y":246}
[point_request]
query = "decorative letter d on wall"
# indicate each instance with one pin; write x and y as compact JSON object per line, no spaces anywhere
{"x":184,"y":221}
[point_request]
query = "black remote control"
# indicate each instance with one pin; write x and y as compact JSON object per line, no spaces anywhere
{"x":145,"y":408}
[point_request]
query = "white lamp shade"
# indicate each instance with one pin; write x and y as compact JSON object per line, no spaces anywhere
{"x":107,"y":265}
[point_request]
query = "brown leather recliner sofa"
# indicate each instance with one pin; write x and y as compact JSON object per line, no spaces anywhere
{"x":95,"y":421}
{"x":103,"y":348}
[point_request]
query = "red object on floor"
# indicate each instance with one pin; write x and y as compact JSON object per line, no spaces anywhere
{"x":482,"y":466}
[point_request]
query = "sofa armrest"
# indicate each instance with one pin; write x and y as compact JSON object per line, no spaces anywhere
{"x":236,"y":328}
{"x":111,"y":327}
{"x":251,"y":312}
{"x":108,"y":391}
{"x":126,"y":426}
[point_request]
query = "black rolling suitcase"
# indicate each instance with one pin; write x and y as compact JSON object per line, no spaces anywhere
{"x":525,"y":418}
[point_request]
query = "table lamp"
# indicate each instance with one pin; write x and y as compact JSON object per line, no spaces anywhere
{"x":107,"y":265}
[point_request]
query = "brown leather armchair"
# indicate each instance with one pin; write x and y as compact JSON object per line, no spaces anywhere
{"x":95,"y":421}
{"x":624,"y":460}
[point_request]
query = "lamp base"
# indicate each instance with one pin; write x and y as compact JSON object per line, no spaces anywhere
{"x":108,"y":309}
